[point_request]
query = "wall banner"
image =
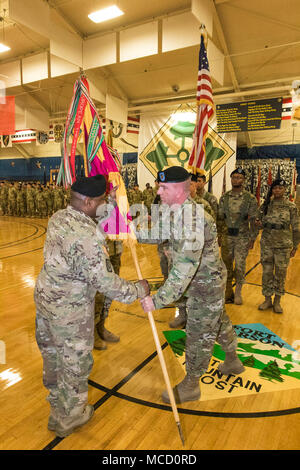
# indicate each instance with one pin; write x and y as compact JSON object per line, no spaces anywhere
{"x":166,"y":140}
{"x":270,"y":364}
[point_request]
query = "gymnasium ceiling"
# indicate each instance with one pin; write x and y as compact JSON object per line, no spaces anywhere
{"x":260,"y":40}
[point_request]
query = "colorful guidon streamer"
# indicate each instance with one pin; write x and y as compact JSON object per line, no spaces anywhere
{"x":98,"y":157}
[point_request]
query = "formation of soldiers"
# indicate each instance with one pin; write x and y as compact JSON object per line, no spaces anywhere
{"x":236,"y":214}
{"x":32,"y":199}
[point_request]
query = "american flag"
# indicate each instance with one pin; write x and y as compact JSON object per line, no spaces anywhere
{"x":205,"y":109}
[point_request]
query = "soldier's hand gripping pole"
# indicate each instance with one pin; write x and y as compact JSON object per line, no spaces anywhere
{"x":158,"y":348}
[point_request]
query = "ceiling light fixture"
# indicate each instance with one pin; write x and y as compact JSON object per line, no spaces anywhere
{"x":105,"y":14}
{"x":4,"y":48}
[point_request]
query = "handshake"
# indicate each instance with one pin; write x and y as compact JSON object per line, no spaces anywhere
{"x":143,"y":290}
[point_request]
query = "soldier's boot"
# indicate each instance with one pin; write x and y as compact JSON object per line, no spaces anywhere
{"x":180,"y":320}
{"x":65,"y":427}
{"x":231,"y":365}
{"x":229,"y":294}
{"x":187,"y":390}
{"x":98,"y":342}
{"x":238,"y":300}
{"x":106,"y":335}
{"x":276,"y":305}
{"x":266,"y":304}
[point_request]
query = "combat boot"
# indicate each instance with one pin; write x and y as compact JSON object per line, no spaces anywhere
{"x":180,"y":320}
{"x":106,"y":335}
{"x":187,"y":390}
{"x":276,"y":305}
{"x":98,"y":342}
{"x":68,"y":425}
{"x":229,"y":295}
{"x":266,"y":304}
{"x":238,"y":295}
{"x":231,"y":365}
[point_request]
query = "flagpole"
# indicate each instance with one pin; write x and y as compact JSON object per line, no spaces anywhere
{"x":158,"y":346}
{"x":202,"y":33}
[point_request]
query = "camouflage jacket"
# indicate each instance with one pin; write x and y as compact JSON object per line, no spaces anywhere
{"x":212,"y":200}
{"x":196,"y":263}
{"x":76,"y":265}
{"x":281,"y":227}
{"x":207,"y":207}
{"x":240,"y":213}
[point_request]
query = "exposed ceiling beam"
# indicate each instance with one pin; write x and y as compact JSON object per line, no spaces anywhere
{"x":65,"y":19}
{"x":38,"y":100}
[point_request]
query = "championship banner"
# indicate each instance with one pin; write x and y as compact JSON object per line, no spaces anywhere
{"x":167,"y":140}
{"x":270,"y":364}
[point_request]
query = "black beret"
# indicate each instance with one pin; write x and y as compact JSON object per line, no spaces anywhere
{"x":238,"y":170}
{"x":278,"y":182}
{"x":194,"y":177}
{"x":174,"y":174}
{"x":92,"y":186}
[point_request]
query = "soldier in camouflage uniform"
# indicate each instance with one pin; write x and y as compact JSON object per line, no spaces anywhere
{"x":180,"y":320}
{"x":12,"y":199}
{"x":4,"y":198}
{"x":135,"y":195}
{"x":148,"y":197}
{"x":199,"y":274}
{"x":237,"y":232}
{"x":279,"y":219}
{"x":76,"y":265}
{"x":210,"y":198}
{"x":103,"y":303}
{"x":41,"y":203}
{"x":21,"y":201}
{"x":30,"y":201}
{"x":58,"y":198}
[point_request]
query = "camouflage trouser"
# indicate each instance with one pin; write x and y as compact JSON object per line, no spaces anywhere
{"x":3,"y":206}
{"x":274,"y":262}
{"x":42,"y":210}
{"x":102,"y":303}
{"x":30,"y":208}
{"x":235,"y":250}
{"x":66,"y":347}
{"x":21,"y":209}
{"x":50,"y":207}
{"x":207,"y":322}
{"x":162,"y":248}
{"x":12,"y":207}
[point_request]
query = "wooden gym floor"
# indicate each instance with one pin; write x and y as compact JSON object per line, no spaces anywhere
{"x":126,"y":380}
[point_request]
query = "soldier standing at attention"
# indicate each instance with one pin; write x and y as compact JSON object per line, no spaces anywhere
{"x":58,"y":199}
{"x":21,"y":201}
{"x":30,"y":201}
{"x":12,"y":199}
{"x":4,"y":198}
{"x":135,"y":195}
{"x":199,"y":199}
{"x":199,"y":274}
{"x":148,"y":197}
{"x":210,"y":198}
{"x":279,"y":219}
{"x":237,"y":232}
{"x":41,"y":202}
{"x":76,"y":265}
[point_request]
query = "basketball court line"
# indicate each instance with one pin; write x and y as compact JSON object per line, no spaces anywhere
{"x":114,"y":392}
